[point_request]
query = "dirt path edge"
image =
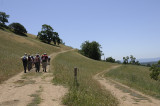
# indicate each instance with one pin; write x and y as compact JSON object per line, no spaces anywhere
{"x":125,"y":95}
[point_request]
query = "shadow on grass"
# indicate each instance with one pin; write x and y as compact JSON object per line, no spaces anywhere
{"x":1,"y":28}
{"x":50,"y":44}
{"x":132,"y":93}
{"x":5,"y":28}
{"x":54,"y":45}
{"x":21,"y":34}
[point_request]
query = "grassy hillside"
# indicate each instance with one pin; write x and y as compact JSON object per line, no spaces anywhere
{"x":12,"y":47}
{"x":136,"y":77}
{"x":88,"y":92}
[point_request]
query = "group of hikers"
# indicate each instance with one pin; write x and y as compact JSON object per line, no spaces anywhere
{"x":29,"y":61}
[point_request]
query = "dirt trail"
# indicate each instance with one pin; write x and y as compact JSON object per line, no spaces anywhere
{"x":126,"y":95}
{"x":19,"y":90}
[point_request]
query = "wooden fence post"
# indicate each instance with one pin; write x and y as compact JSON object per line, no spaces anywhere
{"x":75,"y":73}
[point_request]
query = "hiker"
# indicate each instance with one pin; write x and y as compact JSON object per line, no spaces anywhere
{"x":37,"y":63}
{"x":24,"y":60}
{"x":32,"y":60}
{"x":49,"y":58}
{"x":44,"y":61}
{"x":39,"y":56}
{"x":29,"y":63}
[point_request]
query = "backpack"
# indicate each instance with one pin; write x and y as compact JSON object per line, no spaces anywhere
{"x":44,"y":58}
{"x":32,"y":58}
{"x":29,"y":58}
{"x":24,"y":59}
{"x":37,"y":59}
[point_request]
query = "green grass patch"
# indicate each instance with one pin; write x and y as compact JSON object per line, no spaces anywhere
{"x":136,"y":77}
{"x":24,"y":82}
{"x":37,"y":100}
{"x":32,"y":74}
{"x":88,"y":92}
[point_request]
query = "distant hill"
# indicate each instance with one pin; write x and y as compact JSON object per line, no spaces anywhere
{"x":146,"y":63}
{"x":153,"y":60}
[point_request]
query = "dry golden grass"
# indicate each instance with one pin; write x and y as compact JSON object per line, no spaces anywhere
{"x":13,"y":46}
{"x":31,"y":36}
{"x":13,"y":37}
{"x":137,"y":77}
{"x":88,"y":91}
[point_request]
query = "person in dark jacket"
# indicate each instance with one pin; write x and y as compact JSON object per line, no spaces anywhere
{"x":25,"y":61}
{"x":32,"y":60}
{"x":49,"y":58}
{"x":37,"y":63}
{"x":29,"y":63}
{"x":44,"y":59}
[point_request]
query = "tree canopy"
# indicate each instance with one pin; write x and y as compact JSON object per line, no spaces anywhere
{"x":125,"y":60}
{"x":110,"y":59}
{"x":155,"y":71}
{"x":18,"y":28}
{"x":132,"y":60}
{"x":48,"y":35}
{"x":91,"y":50}
{"x":55,"y":37}
{"x":3,"y":18}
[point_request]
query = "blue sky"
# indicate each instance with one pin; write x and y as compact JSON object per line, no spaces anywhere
{"x":122,"y":27}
